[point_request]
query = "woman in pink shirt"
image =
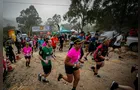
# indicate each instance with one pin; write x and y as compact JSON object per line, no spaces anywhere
{"x":27,"y":51}
{"x":72,"y":64}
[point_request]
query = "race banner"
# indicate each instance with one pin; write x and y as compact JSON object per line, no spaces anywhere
{"x":40,"y":28}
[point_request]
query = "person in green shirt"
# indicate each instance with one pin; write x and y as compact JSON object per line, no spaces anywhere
{"x":45,"y":55}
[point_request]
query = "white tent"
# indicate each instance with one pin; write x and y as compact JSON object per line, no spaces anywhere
{"x":74,"y":31}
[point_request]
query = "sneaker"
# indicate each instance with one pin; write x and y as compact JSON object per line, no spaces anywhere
{"x":133,"y":69}
{"x":45,"y":80}
{"x":114,"y":85}
{"x":59,"y":77}
{"x":93,"y":68}
{"x":120,"y":57}
{"x":39,"y":77}
{"x":98,"y":76}
{"x":73,"y":89}
{"x":85,"y":58}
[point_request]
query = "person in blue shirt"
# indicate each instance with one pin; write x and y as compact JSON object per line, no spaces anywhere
{"x":81,"y":36}
{"x":92,"y":46}
{"x":40,"y":42}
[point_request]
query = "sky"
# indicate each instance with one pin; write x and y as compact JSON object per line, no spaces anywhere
{"x":45,"y":8}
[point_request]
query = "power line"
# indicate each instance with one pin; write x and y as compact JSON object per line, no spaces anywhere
{"x":35,"y":3}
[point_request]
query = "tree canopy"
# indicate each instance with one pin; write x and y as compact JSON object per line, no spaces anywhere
{"x":105,"y":14}
{"x":28,"y":18}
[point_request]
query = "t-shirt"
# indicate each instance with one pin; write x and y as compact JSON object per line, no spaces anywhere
{"x":9,"y":49}
{"x":80,"y":37}
{"x":101,"y":50}
{"x":74,"y":55}
{"x":41,"y":42}
{"x":44,"y":44}
{"x":118,"y":40}
{"x":46,"y":53}
{"x":27,"y":51}
{"x":54,"y":41}
{"x":31,"y":42}
{"x":61,"y":39}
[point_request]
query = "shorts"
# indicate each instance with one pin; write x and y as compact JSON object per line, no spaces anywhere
{"x":98,"y":60}
{"x":27,"y":57}
{"x":91,"y":48}
{"x":54,"y":47}
{"x":70,"y":69}
{"x":114,"y":46}
{"x":47,"y":69}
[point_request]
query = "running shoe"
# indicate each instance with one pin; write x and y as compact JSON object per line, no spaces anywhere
{"x":59,"y":77}
{"x":114,"y":85}
{"x":73,"y":89}
{"x":45,"y":80}
{"x":39,"y":77}
{"x":54,"y":56}
{"x":93,"y":68}
{"x":133,"y":69}
{"x":98,"y":76}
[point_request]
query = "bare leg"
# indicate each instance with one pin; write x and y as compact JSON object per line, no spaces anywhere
{"x":68,"y":78}
{"x":125,"y":87}
{"x":76,"y":78}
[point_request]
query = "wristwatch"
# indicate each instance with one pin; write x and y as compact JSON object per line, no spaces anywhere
{"x":74,"y":66}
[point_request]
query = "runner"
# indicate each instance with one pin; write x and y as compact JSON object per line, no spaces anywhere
{"x":115,"y":85}
{"x":61,"y":40}
{"x":99,"y":56}
{"x":45,"y":55}
{"x":40,"y":42}
{"x":81,"y":37}
{"x":54,"y":40}
{"x":9,"y":52}
{"x":117,"y":43}
{"x":92,"y":46}
{"x":27,"y":50}
{"x":72,"y":64}
{"x":31,"y":45}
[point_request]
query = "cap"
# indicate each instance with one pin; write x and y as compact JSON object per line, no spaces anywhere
{"x":77,"y":41}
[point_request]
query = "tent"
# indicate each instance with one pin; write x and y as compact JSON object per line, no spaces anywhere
{"x":63,"y":30}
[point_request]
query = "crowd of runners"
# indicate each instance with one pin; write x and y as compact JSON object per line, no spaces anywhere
{"x":75,"y":57}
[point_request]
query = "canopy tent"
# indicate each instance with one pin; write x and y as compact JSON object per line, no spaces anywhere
{"x":63,"y":30}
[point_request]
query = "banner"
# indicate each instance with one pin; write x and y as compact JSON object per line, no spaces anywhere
{"x":40,"y":28}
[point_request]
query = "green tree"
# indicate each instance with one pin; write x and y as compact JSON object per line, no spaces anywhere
{"x":28,"y":18}
{"x":116,"y":14}
{"x":57,"y":19}
{"x":53,"y":22}
{"x":77,"y":13}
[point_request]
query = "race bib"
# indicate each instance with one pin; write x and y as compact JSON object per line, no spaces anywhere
{"x":48,"y":57}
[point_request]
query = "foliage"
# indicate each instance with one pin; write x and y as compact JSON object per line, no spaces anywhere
{"x":77,"y":14}
{"x":28,"y":18}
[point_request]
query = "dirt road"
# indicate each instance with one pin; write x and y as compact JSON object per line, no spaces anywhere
{"x":25,"y":78}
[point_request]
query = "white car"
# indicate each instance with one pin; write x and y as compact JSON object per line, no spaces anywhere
{"x":108,"y":35}
{"x":132,"y":43}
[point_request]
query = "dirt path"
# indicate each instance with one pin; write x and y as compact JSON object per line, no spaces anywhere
{"x":23,"y":78}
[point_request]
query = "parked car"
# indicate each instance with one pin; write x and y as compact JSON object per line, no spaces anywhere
{"x":108,"y":35}
{"x":132,"y":43}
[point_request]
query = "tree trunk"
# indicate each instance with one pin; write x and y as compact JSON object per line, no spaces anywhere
{"x":123,"y":14}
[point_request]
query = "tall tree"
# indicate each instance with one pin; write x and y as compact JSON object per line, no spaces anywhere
{"x":116,"y":14}
{"x":53,"y":22}
{"x":28,"y":18}
{"x":78,"y":12}
{"x":57,"y":19}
